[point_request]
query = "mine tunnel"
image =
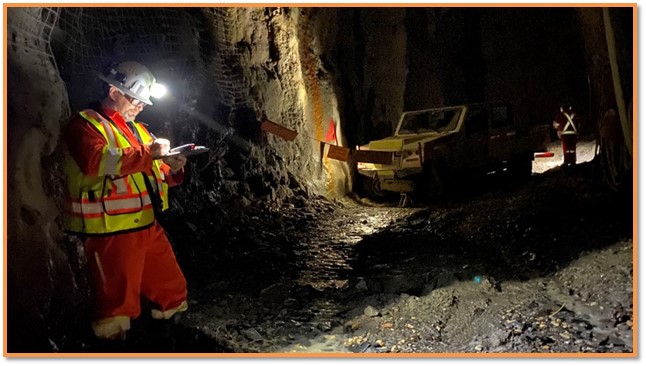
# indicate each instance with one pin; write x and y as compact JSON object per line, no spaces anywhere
{"x":282,"y":247}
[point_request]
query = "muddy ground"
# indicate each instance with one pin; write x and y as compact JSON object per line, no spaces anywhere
{"x":541,"y":266}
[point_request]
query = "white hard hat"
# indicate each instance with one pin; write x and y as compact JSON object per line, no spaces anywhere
{"x":132,"y":78}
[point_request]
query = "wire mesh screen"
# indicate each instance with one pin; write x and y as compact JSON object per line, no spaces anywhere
{"x":230,"y":83}
{"x":190,"y":50}
{"x":219,"y":64}
{"x":91,"y":38}
{"x":30,"y":32}
{"x":186,"y":47}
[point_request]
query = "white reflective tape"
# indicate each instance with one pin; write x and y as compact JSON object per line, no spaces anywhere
{"x":121,"y":185}
{"x":112,"y":161}
{"x":110,"y":205}
{"x":570,"y":123}
{"x":113,"y":156}
{"x":128,"y":203}
{"x":112,"y":141}
{"x":87,"y":208}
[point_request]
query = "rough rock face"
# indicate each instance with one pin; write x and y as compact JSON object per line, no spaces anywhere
{"x":306,"y":69}
{"x":39,"y":279}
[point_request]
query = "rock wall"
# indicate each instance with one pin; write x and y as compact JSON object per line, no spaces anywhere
{"x":40,"y":284}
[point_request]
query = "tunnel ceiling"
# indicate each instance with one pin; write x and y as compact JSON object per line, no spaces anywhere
{"x":305,"y":67}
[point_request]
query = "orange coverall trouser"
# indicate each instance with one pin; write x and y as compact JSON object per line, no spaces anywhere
{"x":569,"y":148}
{"x":125,"y":266}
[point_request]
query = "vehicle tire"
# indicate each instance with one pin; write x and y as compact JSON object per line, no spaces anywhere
{"x":370,"y":188}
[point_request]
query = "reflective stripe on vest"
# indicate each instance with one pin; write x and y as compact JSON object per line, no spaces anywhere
{"x":570,"y":123}
{"x":162,"y":186}
{"x":111,"y":163}
{"x":108,"y":203}
{"x":113,"y":207}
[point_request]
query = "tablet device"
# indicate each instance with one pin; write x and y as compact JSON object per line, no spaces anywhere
{"x":186,"y":150}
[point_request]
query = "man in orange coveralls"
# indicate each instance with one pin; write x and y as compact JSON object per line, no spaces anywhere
{"x":118,"y":182}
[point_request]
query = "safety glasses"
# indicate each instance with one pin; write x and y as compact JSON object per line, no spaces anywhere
{"x":134,"y":101}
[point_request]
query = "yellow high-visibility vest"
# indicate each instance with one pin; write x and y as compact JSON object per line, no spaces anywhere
{"x":111,"y":202}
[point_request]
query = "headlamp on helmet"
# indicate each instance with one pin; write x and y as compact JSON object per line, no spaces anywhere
{"x":157,"y":90}
{"x":134,"y":80}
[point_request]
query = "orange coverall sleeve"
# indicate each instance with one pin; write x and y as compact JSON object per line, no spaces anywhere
{"x":86,"y":146}
{"x":173,"y":179}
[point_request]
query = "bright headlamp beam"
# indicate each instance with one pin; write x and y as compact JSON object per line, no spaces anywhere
{"x":157,"y":90}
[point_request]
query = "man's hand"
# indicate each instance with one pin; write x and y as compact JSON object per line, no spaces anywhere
{"x":159,"y":148}
{"x":175,"y":162}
